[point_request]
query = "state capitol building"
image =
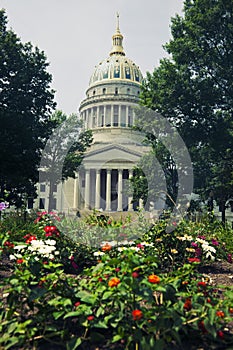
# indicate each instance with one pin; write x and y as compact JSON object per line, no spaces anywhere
{"x":108,"y":111}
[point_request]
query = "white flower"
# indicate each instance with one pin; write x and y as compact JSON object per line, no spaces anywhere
{"x":51,"y":241}
{"x":98,"y":253}
{"x":120,"y":249}
{"x":208,"y":254}
{"x":201,"y":241}
{"x":12,"y":257}
{"x":112,"y":243}
{"x":208,"y":248}
{"x":19,"y":247}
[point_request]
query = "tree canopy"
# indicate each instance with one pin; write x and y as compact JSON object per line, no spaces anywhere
{"x":193,"y":89}
{"x":26,"y":103}
{"x":64,"y":151}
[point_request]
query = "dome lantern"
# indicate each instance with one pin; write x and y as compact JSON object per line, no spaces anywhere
{"x":117,"y":38}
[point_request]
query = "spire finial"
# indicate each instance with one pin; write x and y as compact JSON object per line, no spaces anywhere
{"x":118,"y":23}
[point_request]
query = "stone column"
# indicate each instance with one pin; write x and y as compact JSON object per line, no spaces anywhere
{"x":75,"y":192}
{"x":98,"y":117}
{"x":108,"y":191}
{"x":130,"y":205}
{"x":119,"y":115}
{"x":119,"y":190}
{"x":97,"y":189}
{"x":87,"y":188}
{"x":104,"y":116}
{"x":112,"y":112}
{"x":127,"y":116}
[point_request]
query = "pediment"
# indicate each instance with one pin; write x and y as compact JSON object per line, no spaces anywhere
{"x":113,"y":153}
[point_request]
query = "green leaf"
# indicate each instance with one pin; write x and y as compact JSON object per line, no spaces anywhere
{"x":73,"y":344}
{"x":101,"y":324}
{"x":58,"y":314}
{"x":87,"y":297}
{"x":116,"y":338}
{"x":106,"y":295}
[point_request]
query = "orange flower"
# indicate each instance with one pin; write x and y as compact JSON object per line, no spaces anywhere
{"x":137,"y":314}
{"x":154,"y":279}
{"x":113,"y":282}
{"x":220,"y":314}
{"x":106,"y":247}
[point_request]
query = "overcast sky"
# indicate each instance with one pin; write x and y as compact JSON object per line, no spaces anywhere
{"x":77,"y":34}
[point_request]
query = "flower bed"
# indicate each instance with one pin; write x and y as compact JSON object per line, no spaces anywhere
{"x":122,"y":293}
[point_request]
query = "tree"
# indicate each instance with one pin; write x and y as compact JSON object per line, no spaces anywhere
{"x":64,"y":151}
{"x":26,"y":103}
{"x":193,"y":89}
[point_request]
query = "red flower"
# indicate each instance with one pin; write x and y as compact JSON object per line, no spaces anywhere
{"x":220,"y":314}
{"x":220,"y":334}
{"x":90,"y":318}
{"x":140,"y":246}
{"x":49,"y":230}
{"x":154,"y":279}
{"x":137,"y":314}
{"x":30,"y":238}
{"x":77,"y":303}
{"x":188,"y":304}
{"x":100,"y":279}
{"x":194,"y":260}
{"x":135,"y":274}
{"x":49,"y":234}
{"x":117,"y":269}
{"x":231,"y":310}
{"x":20,"y":261}
{"x":9,"y":244}
{"x":113,"y":282}
{"x":202,"y":284}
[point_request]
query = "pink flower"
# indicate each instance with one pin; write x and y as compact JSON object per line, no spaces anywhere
{"x":214,"y":242}
{"x":135,"y":274}
{"x":194,"y":245}
{"x":229,"y":258}
{"x":198,"y":252}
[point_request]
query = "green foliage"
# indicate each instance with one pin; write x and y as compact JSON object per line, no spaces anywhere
{"x":25,"y":106}
{"x":193,"y":89}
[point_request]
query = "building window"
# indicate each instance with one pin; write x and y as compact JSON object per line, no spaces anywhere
{"x":42,"y":203}
{"x":93,"y":92}
{"x":116,"y":91}
{"x":127,"y":73}
{"x":42,"y":188}
{"x":117,"y":72}
{"x":104,"y":91}
{"x":55,"y":188}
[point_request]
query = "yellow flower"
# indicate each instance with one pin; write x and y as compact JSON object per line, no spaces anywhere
{"x":174,"y":251}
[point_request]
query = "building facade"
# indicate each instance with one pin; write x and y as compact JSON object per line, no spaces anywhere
{"x":109,"y":111}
